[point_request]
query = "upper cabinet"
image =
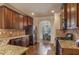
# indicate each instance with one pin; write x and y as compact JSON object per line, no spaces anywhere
{"x":74,"y":15}
{"x":1,"y":18}
{"x":25,"y":21}
{"x":69,"y":16}
{"x":78,"y":14}
{"x":21,"y":21}
{"x":30,"y":21}
{"x":10,"y":19}
{"x":15,"y":20}
{"x":5,"y":18}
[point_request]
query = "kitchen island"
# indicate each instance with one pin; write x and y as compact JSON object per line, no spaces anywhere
{"x":68,"y":47}
{"x":6,"y":49}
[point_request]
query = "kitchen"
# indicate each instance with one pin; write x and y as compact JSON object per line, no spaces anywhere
{"x":20,"y":32}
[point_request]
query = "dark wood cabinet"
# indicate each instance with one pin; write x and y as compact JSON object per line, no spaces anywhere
{"x":69,"y":16}
{"x":15,"y":20}
{"x":21,"y":21}
{"x":10,"y":19}
{"x":78,"y":14}
{"x":7,"y":18}
{"x":30,"y":21}
{"x":25,"y":21}
{"x":19,"y":42}
{"x":1,"y":18}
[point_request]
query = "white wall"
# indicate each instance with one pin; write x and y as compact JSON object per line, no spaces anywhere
{"x":56,"y":25}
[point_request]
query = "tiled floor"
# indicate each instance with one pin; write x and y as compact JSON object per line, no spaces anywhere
{"x":43,"y":48}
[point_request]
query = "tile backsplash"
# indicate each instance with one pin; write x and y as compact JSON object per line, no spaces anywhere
{"x":10,"y":33}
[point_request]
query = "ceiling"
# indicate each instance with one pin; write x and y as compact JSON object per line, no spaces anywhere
{"x":39,"y":9}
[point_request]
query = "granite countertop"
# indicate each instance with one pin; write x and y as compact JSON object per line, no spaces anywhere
{"x":68,"y":44}
{"x":5,"y":40}
{"x":12,"y":50}
{"x":8,"y":38}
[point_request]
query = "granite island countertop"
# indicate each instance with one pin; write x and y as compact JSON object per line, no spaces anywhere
{"x":12,"y":50}
{"x":5,"y":40}
{"x":68,"y":44}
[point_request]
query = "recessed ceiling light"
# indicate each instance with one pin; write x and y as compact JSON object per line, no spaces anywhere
{"x":52,"y":11}
{"x":32,"y":13}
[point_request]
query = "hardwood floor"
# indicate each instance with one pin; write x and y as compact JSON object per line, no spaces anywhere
{"x":42,"y":48}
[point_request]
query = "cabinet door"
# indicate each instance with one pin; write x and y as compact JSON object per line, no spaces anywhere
{"x":66,"y":51}
{"x":78,"y":15}
{"x":15,"y":20}
{"x":7,"y":18}
{"x":1,"y":11}
{"x":30,"y":21}
{"x":10,"y":18}
{"x":21,"y":21}
{"x":25,"y":20}
{"x":73,"y":15}
{"x":68,"y":16}
{"x":65,"y":16}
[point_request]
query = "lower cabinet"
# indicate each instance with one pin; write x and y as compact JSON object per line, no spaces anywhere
{"x":19,"y":42}
{"x":30,"y":40}
{"x":25,"y":42}
{"x":66,"y":51}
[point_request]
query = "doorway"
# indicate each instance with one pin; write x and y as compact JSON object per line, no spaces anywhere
{"x":45,"y":31}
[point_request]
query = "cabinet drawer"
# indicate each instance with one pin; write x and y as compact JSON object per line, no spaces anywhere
{"x":66,"y":51}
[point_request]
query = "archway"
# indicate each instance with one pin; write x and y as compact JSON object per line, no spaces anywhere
{"x":45,"y":30}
